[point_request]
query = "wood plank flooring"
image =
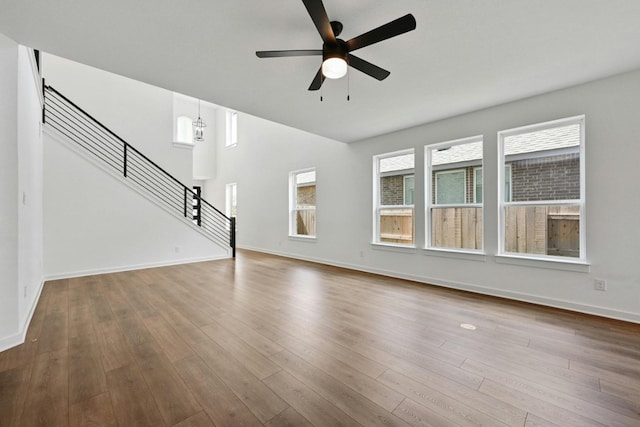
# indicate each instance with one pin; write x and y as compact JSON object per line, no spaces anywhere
{"x":265,"y":340}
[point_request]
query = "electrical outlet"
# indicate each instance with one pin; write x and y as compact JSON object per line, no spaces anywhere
{"x":25,"y":291}
{"x":600,"y":285}
{"x":361,"y":254}
{"x":177,"y":249}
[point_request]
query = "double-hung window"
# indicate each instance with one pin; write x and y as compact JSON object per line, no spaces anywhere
{"x":302,"y":203}
{"x":454,"y":195}
{"x":394,"y":183}
{"x":543,"y":216}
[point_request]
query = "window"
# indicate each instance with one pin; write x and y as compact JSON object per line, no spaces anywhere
{"x":454,"y":195}
{"x":394,"y":183}
{"x":232,"y":200}
{"x":231,"y":128}
{"x":544,"y":216}
{"x":451,"y":187}
{"x":302,"y":211}
{"x":409,"y":189}
{"x":477,"y":184}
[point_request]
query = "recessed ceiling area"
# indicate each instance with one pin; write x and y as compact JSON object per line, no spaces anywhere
{"x":463,"y":56}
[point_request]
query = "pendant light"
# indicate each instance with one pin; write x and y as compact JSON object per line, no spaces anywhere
{"x":198,"y":127}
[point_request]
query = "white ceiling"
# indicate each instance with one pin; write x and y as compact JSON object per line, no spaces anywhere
{"x":463,"y":56}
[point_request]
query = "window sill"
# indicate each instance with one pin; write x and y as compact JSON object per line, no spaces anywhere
{"x":302,"y":238}
{"x":393,"y":247}
{"x":187,"y":145}
{"x":468,"y":255}
{"x":231,"y":145}
{"x":548,"y":263}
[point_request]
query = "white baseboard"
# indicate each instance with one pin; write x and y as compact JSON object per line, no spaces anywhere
{"x":11,"y":341}
{"x":517,"y":296}
{"x":120,"y":269}
{"x":18,"y":338}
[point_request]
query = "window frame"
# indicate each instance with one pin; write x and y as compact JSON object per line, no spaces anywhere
{"x":377,"y":206}
{"x":431,"y":196}
{"x":231,"y":128}
{"x":293,"y":203}
{"x":502,"y":204}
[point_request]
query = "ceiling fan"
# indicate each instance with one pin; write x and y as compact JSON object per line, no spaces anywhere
{"x":336,"y":53}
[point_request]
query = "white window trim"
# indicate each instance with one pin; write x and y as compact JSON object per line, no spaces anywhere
{"x":429,"y":188}
{"x":525,"y":258}
{"x":376,"y":199}
{"x":231,"y":128}
{"x":293,"y":189}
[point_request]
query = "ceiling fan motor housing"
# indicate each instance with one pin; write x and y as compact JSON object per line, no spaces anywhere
{"x":337,"y":50}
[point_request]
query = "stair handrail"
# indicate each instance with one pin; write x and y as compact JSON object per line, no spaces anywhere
{"x":127,"y":146}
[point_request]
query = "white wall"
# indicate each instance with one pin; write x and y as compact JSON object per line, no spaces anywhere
{"x":139,"y":113}
{"x":30,"y":231}
{"x":94,"y":223}
{"x":260,"y":164}
{"x":20,"y":174}
{"x":8,"y":192}
{"x":267,"y":152}
{"x":204,"y":151}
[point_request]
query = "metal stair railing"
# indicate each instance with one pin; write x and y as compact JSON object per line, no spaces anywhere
{"x":115,"y":153}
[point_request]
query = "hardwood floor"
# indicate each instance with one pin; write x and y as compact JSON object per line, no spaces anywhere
{"x":271,"y":341}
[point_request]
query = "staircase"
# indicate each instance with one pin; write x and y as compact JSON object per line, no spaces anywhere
{"x":118,"y":156}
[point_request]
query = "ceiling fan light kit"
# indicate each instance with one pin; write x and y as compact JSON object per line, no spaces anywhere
{"x":334,"y":68}
{"x":336,"y":53}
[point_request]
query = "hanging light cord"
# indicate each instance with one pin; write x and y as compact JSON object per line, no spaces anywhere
{"x":348,"y":85}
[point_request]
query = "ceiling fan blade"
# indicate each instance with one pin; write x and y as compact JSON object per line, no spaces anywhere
{"x":317,"y":80}
{"x":367,"y":67}
{"x":320,"y":19}
{"x":284,"y":53}
{"x":391,"y":29}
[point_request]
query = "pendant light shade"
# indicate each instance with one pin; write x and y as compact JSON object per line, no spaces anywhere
{"x":198,"y":127}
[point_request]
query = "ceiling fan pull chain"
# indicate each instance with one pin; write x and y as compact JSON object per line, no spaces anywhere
{"x":321,"y":92}
{"x":348,"y":85}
